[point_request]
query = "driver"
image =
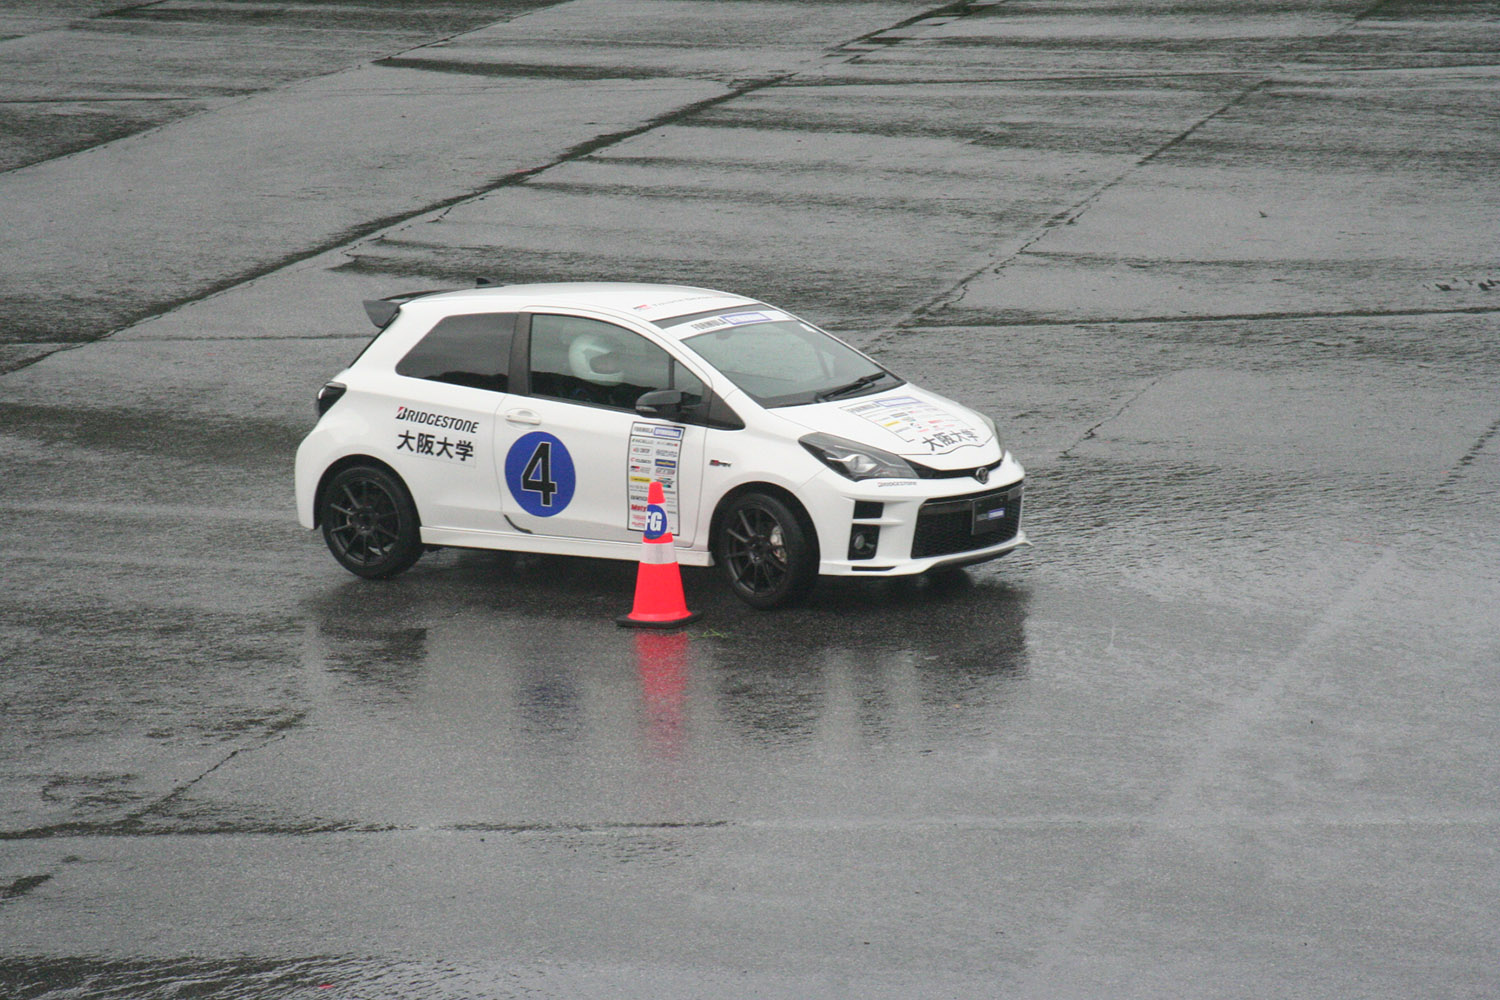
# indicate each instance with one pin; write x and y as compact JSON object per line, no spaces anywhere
{"x":593,"y":358}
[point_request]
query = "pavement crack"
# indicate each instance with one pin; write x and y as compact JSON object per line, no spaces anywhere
{"x":134,"y":823}
{"x":275,"y":733}
{"x":1179,"y":812}
{"x":587,"y":828}
{"x":1470,"y":456}
{"x":1134,"y":398}
{"x":125,"y":11}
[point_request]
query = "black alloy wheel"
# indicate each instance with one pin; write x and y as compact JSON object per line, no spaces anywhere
{"x":766,"y":554}
{"x":370,"y":522}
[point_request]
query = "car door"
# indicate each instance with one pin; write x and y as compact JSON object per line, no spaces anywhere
{"x":575,"y":456}
{"x":446,"y":390}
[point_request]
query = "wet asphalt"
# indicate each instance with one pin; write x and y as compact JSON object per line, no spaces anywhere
{"x":1227,"y":278}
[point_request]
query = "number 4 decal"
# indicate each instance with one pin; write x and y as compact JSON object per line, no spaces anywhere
{"x":539,"y":474}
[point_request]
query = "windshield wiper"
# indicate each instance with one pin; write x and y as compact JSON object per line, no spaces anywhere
{"x":854,"y":386}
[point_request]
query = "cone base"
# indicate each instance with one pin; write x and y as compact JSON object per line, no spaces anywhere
{"x":626,"y":621}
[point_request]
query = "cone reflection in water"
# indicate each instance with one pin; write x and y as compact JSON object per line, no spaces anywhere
{"x":659,"y":602}
{"x":662,"y":664}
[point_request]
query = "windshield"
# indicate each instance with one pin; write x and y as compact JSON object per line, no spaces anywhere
{"x":781,"y":361}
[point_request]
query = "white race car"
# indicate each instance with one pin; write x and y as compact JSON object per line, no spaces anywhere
{"x":533,"y":418}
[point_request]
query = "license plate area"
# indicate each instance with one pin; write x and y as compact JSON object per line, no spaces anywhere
{"x":989,"y":513}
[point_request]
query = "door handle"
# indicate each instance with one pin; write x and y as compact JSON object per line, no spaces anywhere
{"x":522,"y":417}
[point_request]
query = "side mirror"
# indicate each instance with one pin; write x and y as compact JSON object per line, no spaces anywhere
{"x":663,"y":404}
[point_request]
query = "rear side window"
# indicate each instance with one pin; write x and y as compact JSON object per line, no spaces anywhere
{"x":472,"y":350}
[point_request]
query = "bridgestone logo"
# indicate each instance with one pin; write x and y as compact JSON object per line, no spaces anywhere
{"x":437,"y":420}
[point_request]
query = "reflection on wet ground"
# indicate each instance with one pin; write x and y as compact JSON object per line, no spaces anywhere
{"x":498,"y":681}
{"x":890,"y":652}
{"x":489,"y":695}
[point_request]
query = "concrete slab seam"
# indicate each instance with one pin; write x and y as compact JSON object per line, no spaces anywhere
{"x":955,"y":293}
{"x":352,"y":238}
{"x":1134,"y":825}
{"x":1068,"y":216}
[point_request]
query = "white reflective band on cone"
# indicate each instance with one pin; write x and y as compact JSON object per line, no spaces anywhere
{"x":662,"y":551}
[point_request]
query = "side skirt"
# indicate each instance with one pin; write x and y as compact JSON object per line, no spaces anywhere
{"x":557,"y":545}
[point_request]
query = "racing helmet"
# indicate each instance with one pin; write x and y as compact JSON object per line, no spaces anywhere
{"x":589,"y":350}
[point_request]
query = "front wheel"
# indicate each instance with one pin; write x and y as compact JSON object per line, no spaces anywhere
{"x":766,"y":554}
{"x":370,"y":522}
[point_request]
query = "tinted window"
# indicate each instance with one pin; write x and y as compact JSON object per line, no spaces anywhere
{"x":586,"y":361}
{"x":469,"y":350}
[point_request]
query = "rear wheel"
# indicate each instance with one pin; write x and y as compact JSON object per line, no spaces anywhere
{"x":767,"y":555}
{"x":370,"y":522}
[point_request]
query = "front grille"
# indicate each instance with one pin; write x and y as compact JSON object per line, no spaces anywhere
{"x":927,"y":472}
{"x":947,"y":526}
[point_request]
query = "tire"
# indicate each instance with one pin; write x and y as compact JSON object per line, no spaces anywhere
{"x":370,"y":522}
{"x":767,"y":555}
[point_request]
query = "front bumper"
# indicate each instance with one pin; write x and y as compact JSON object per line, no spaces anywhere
{"x":908,"y":528}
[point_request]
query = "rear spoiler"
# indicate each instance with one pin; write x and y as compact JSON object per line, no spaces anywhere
{"x":382,"y":311}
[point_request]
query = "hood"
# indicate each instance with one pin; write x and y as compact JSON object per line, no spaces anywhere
{"x":906,"y":421}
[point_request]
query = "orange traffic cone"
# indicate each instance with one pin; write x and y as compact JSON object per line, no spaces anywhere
{"x":658,"y":582}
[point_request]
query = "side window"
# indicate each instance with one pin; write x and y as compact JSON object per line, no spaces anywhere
{"x":586,"y":361}
{"x":471,"y":350}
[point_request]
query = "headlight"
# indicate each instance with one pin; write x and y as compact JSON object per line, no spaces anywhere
{"x":856,"y":461}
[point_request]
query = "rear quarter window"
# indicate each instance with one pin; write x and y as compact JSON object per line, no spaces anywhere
{"x":471,"y":350}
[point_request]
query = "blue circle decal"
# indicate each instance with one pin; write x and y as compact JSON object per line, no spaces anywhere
{"x":539,"y":472}
{"x":656,"y":522}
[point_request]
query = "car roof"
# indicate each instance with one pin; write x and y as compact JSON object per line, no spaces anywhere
{"x":648,"y":302}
